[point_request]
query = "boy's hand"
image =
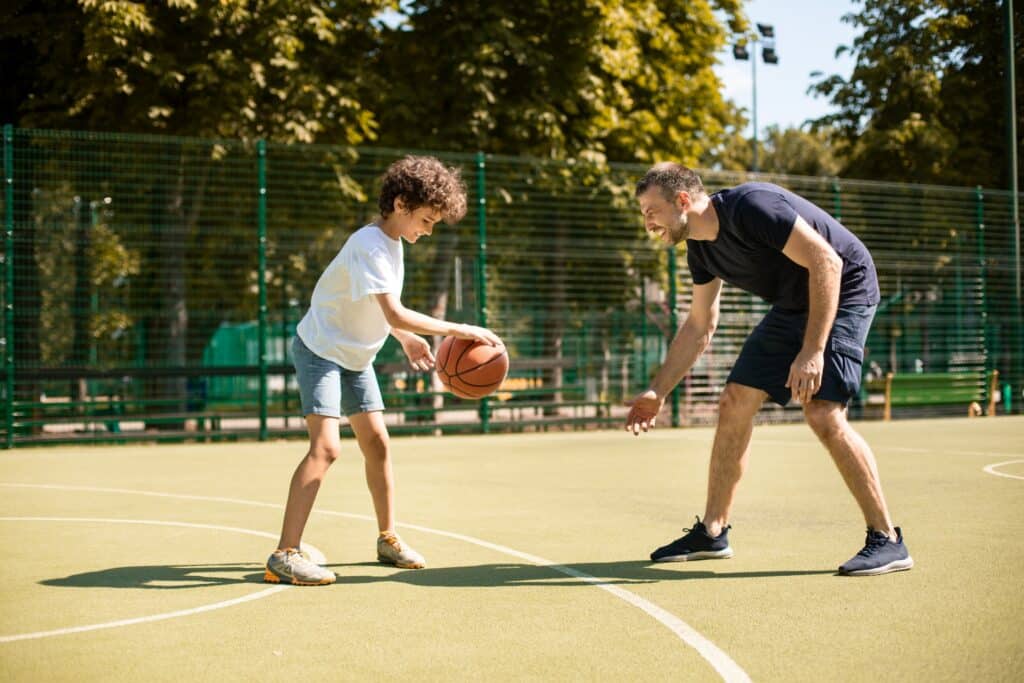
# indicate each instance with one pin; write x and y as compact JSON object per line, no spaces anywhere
{"x":418,"y":351}
{"x":480,"y":334}
{"x":643,"y":411}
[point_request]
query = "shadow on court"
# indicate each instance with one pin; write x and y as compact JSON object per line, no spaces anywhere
{"x":515,"y":574}
{"x":176,"y":577}
{"x":163,"y":577}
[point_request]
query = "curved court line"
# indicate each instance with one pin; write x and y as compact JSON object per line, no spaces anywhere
{"x":991,"y":469}
{"x":728,"y":669}
{"x":153,"y":617}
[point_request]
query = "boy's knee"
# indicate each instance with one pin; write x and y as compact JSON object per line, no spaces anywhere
{"x":327,"y":452}
{"x":375,"y":445}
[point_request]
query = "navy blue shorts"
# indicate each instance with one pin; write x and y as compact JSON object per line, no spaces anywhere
{"x":774,"y":344}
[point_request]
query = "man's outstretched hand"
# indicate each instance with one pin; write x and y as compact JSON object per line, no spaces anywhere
{"x":643,"y":411}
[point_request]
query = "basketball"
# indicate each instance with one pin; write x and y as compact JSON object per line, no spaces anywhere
{"x":471,"y":369}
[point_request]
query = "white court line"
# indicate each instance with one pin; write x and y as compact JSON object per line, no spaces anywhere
{"x":991,"y":469}
{"x":728,"y":669}
{"x":153,"y":617}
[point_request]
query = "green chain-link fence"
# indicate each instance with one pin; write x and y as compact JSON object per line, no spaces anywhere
{"x":150,"y":285}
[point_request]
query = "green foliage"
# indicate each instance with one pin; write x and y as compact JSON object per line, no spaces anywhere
{"x":290,"y":70}
{"x":926,"y":100}
{"x":589,"y":79}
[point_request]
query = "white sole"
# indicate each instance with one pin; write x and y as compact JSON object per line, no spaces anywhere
{"x":702,"y":555}
{"x":894,"y":566}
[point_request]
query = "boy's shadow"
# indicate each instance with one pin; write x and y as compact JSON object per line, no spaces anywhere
{"x":163,"y":577}
{"x":507,"y":574}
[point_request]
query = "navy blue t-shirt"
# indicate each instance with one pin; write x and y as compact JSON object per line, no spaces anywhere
{"x":754,"y":223}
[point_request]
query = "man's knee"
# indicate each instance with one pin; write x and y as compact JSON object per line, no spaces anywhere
{"x":826,"y":418}
{"x":737,"y":401}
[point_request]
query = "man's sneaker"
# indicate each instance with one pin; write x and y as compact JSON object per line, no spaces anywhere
{"x":695,"y":545}
{"x":879,"y":556}
{"x":292,"y":566}
{"x":392,"y":550}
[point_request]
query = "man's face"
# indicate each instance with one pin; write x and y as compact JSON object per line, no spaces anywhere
{"x":664,"y":219}
{"x":416,"y":223}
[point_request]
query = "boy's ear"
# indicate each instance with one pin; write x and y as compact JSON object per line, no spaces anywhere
{"x":399,"y":205}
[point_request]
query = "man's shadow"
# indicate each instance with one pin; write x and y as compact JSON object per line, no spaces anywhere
{"x":509,"y":574}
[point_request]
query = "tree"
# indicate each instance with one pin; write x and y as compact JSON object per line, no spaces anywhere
{"x":594,"y":79}
{"x":290,"y":70}
{"x":925,"y":102}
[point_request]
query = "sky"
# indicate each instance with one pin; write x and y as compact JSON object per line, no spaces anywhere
{"x":807,"y":33}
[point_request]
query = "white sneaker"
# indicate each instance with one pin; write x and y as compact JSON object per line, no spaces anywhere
{"x":392,"y":550}
{"x":293,"y":566}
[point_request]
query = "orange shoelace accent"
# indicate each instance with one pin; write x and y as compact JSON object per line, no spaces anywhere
{"x":391,"y":540}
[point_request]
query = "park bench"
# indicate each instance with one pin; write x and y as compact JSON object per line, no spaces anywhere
{"x":922,"y":390}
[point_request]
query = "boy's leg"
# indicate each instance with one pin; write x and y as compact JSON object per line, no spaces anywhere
{"x":372,"y":436}
{"x":324,"y":448}
{"x":854,"y":459}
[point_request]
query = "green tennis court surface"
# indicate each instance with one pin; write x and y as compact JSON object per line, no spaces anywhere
{"x":145,"y":562}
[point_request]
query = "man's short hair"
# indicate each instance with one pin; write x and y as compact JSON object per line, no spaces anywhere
{"x":423,"y":181}
{"x":671,"y":179}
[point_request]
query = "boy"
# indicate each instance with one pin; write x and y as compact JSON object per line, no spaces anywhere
{"x":355,"y":305}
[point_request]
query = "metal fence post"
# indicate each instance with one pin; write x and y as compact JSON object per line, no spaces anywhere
{"x":673,"y":317}
{"x":979,"y":201}
{"x":261,"y":223}
{"x":8,"y":349}
{"x":481,"y":268}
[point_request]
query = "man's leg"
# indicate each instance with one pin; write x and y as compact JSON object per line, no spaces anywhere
{"x":855,"y":461}
{"x":736,"y":409}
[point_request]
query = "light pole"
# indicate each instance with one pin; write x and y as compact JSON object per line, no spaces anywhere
{"x":766,"y":36}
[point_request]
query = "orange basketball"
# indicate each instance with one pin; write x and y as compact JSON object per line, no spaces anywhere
{"x":471,"y":369}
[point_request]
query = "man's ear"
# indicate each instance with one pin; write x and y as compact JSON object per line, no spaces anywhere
{"x":683,"y":200}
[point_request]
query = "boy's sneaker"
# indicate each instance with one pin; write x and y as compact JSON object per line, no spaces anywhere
{"x":879,"y":556}
{"x":292,"y":566}
{"x":695,"y":545}
{"x":392,"y":550}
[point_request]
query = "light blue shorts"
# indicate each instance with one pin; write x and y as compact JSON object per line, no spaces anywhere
{"x":328,"y":389}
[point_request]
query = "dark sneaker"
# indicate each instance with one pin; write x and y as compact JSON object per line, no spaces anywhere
{"x":695,"y":545}
{"x":879,"y":556}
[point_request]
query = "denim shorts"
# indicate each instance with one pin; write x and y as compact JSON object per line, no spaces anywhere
{"x":774,"y":344}
{"x":328,"y":389}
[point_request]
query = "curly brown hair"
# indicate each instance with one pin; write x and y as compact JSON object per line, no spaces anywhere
{"x":423,"y":181}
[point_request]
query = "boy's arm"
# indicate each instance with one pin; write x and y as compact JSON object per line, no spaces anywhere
{"x":402,"y":318}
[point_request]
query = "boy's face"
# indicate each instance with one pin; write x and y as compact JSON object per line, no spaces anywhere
{"x":414,"y":224}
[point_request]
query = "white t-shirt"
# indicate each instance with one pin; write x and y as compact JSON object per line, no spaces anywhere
{"x":344,"y":323}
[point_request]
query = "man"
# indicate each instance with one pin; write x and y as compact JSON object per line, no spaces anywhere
{"x":823,"y":288}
